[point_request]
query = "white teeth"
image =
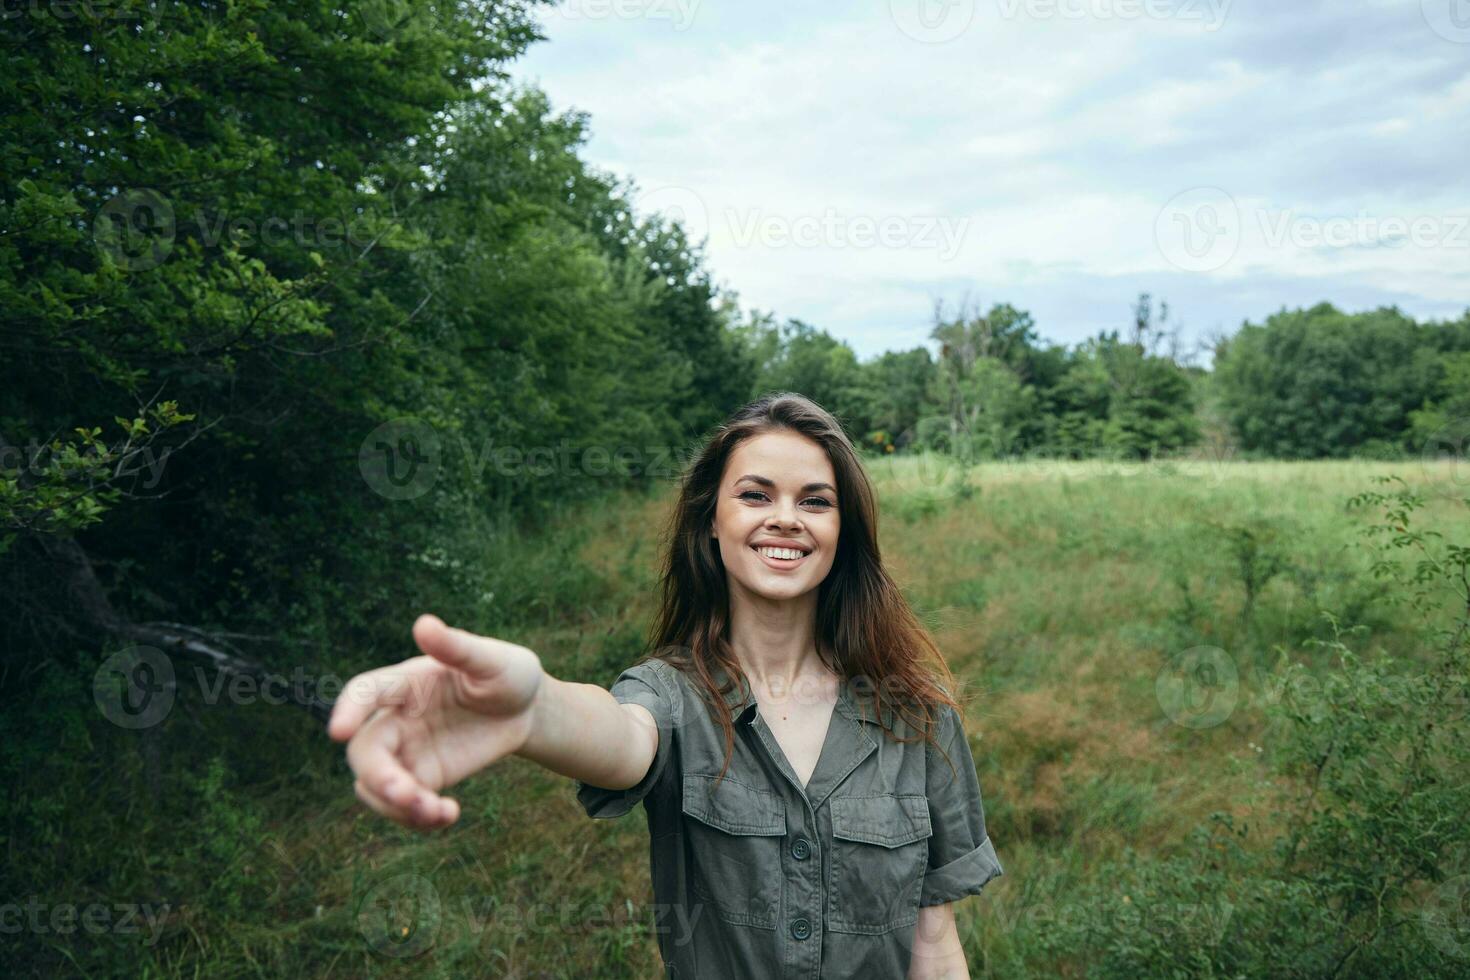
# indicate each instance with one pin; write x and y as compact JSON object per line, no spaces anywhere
{"x":787,"y":553}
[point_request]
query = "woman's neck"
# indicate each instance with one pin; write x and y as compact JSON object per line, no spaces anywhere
{"x":775,"y":641}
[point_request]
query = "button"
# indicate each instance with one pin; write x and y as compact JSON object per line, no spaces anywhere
{"x":801,"y":928}
{"x":800,"y":849}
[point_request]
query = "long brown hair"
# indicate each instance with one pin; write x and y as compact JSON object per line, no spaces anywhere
{"x":865,"y":628}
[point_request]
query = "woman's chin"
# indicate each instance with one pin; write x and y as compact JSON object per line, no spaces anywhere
{"x":779,"y":590}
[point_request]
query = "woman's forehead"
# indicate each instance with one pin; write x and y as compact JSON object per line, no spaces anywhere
{"x":785,"y":457}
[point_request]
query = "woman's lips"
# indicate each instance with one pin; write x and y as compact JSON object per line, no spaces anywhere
{"x":781,"y":563}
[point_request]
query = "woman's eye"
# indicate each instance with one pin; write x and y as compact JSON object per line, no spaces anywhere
{"x":823,"y":501}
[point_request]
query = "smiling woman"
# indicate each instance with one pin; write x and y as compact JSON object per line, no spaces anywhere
{"x":782,"y":526}
{"x":812,"y":800}
{"x":811,"y":787}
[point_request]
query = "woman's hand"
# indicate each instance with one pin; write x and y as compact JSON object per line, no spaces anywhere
{"x":427,"y":723}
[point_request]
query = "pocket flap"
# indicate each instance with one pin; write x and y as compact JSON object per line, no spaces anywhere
{"x":733,"y":807}
{"x":889,"y":821}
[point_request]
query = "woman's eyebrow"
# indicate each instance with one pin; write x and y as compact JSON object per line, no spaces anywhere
{"x":766,"y":482}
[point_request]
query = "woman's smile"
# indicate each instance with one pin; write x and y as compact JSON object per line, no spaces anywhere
{"x":781,"y":558}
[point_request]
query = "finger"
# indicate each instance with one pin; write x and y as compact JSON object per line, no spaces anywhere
{"x":345,"y":720}
{"x":369,"y":691}
{"x":446,"y":814}
{"x":374,"y":757}
{"x":479,"y":656}
{"x":425,"y":811}
{"x":381,"y":806}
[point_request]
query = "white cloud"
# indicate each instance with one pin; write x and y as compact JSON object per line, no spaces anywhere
{"x":1048,"y":147}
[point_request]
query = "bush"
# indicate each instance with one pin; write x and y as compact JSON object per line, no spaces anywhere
{"x":1367,"y":874}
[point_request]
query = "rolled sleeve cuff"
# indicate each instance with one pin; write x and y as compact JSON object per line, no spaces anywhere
{"x":601,"y":803}
{"x":963,"y":876}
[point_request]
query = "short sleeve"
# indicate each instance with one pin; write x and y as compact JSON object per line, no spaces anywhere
{"x":647,"y":684}
{"x":961,"y":858}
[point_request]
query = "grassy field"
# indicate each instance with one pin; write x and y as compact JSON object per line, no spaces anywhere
{"x":1061,"y":592}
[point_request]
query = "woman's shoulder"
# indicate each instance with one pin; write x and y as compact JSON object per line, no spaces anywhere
{"x":681,"y":680}
{"x":662,"y":674}
{"x":652,"y":670}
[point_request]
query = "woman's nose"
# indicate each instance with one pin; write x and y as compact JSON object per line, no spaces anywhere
{"x":786,"y":516}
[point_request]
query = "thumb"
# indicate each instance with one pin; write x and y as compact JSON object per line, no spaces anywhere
{"x":478,"y":656}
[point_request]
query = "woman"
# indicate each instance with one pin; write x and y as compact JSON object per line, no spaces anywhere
{"x":811,"y":796}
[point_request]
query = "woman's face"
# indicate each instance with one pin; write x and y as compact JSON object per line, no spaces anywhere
{"x":778,"y":491}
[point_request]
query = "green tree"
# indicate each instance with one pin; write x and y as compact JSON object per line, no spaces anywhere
{"x":266,"y":230}
{"x":897,"y":385}
{"x":1323,"y":383}
{"x":1442,"y":423}
{"x":799,"y":357}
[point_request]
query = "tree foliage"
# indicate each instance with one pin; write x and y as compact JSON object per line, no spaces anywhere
{"x":1323,"y":383}
{"x":235,"y":239}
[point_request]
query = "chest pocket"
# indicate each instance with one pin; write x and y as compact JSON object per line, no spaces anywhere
{"x":733,"y":836}
{"x":880,"y":851}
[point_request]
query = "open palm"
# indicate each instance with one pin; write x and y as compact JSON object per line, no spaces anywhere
{"x":425,"y":724}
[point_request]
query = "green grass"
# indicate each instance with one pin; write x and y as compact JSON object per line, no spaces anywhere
{"x":1057,"y":590}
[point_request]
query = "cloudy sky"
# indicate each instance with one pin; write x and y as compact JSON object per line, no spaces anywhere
{"x":853,"y":162}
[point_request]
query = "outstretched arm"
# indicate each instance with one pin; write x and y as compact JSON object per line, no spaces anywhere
{"x":427,"y":723}
{"x":580,"y":731}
